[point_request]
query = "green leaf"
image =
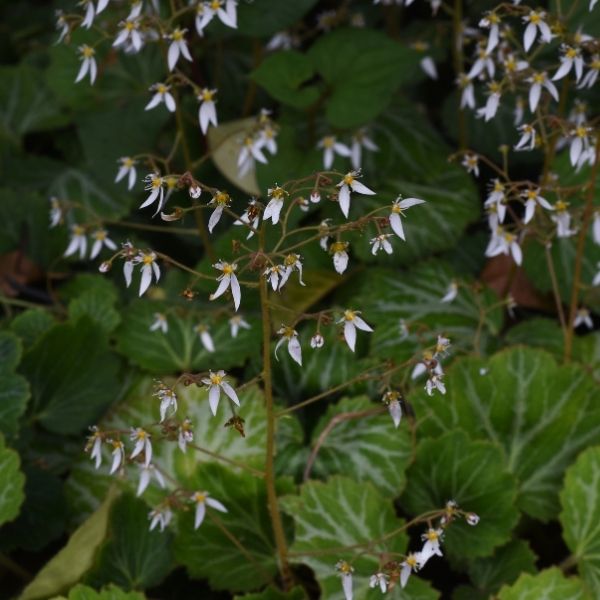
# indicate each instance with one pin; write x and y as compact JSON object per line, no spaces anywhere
{"x":133,"y":557}
{"x":370,"y":448}
{"x":267,"y":17}
{"x":282,"y":75}
{"x":474,"y":475}
{"x":550,"y":584}
{"x":209,"y":552}
{"x":112,"y":592}
{"x":331,"y":516}
{"x":73,"y":376}
{"x":540,"y":413}
{"x":362,"y":68}
{"x":503,"y":567}
{"x":271,"y":593}
{"x":31,"y":324}
{"x":12,"y":482}
{"x":387,"y":299}
{"x":98,"y":306}
{"x":581,"y":514}
{"x":180,"y":349}
{"x":67,"y":567}
{"x":10,"y":351}
{"x":14,"y":394}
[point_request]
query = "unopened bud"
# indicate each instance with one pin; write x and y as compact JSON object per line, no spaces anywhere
{"x":105,"y":266}
{"x":195,"y":191}
{"x":317,"y":341}
{"x":472,"y":519}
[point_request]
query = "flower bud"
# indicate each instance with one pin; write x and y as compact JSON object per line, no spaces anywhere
{"x":195,"y":191}
{"x":472,"y":518}
{"x":315,"y":197}
{"x":105,"y":266}
{"x":317,"y":341}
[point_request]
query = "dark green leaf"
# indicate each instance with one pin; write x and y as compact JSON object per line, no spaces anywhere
{"x":31,"y":324}
{"x":12,"y":482}
{"x":550,"y":584}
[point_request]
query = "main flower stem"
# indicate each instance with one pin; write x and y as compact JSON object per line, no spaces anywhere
{"x":276,"y":521}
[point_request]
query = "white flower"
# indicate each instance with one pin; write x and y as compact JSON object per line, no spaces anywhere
{"x":127,"y":169}
{"x":136,"y":9}
{"x":160,"y":323}
{"x":186,"y":435}
{"x":277,"y":195}
{"x":149,"y":268}
{"x":484,"y":62}
{"x":411,"y":563}
{"x":317,"y":341}
{"x":88,"y":64}
{"x":562,"y":218}
{"x":130,"y":34}
{"x":146,"y":473}
{"x":379,"y":579}
{"x":202,"y":500}
{"x":490,"y":109}
{"x":155,"y":185}
{"x":340,"y":256}
{"x":583,"y":317}
{"x":220,"y":201}
{"x":352,"y":322}
{"x":177,"y":47}
{"x":56,"y":212}
{"x":496,"y":198}
{"x":94,"y":446}
{"x":428,"y":66}
{"x":205,"y":337}
{"x":207,"y":112}
{"x":160,"y":517}
{"x":579,"y":143}
{"x":250,"y":217}
{"x":435,"y":383}
{"x":591,"y":76}
{"x":227,"y":280}
{"x":381,"y":243}
{"x":90,"y":13}
{"x":345,"y":570}
{"x":168,"y":402}
{"x":472,"y":519}
{"x":236,"y":323}
{"x":227,"y":15}
{"x":250,"y":153}
{"x":291,"y":336}
{"x":350,"y":183}
{"x":275,"y":275}
{"x":291,"y":263}
{"x":539,"y":81}
{"x":331,"y":147}
{"x":398,"y":207}
{"x":161,"y":95}
{"x":527,"y":139}
{"x":142,"y":444}
{"x":536,"y":23}
{"x":101,"y":239}
{"x":267,"y":136}
{"x":467,"y":96}
{"x":471,"y":163}
{"x":392,"y":400}
{"x":78,"y":242}
{"x":118,"y":455}
{"x":323,"y":232}
{"x":503,"y":242}
{"x":315,"y":197}
{"x":441,"y":347}
{"x":519,"y":113}
{"x":432,"y":538}
{"x":532,"y":199}
{"x":451,"y":292}
{"x":102,"y":4}
{"x":62,"y":24}
{"x":571,"y":57}
{"x":491,"y":21}
{"x":214,"y":384}
{"x":360,"y":140}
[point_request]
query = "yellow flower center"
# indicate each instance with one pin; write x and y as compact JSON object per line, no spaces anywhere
{"x":432,"y":535}
{"x":535,"y":18}
{"x":171,"y":182}
{"x":199,"y":498}
{"x":216,"y":379}
{"x":539,"y":78}
{"x":177,"y":35}
{"x":100,"y":235}
{"x":571,"y":53}
{"x":290,"y":260}
{"x":345,"y":568}
{"x":148,"y":259}
{"x":128,"y":162}
{"x":348,"y":179}
{"x":131,"y":25}
{"x":494,"y":87}
{"x":215,"y":4}
{"x":78,"y":230}
{"x":349,"y":315}
{"x":141,"y":435}
{"x":156,"y":182}
{"x":561,"y":206}
{"x":531,"y":194}
{"x":87,"y":51}
{"x":581,"y":131}
{"x":207,"y":95}
{"x":411,"y":561}
{"x":328,"y":141}
{"x":228,"y":269}
{"x":339,"y":247}
{"x":278,"y":193}
{"x":161,"y":88}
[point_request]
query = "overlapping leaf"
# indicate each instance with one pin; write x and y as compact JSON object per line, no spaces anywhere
{"x":12,"y":482}
{"x":550,"y":585}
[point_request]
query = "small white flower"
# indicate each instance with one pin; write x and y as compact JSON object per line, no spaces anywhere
{"x":331,"y":147}
{"x":532,"y":199}
{"x":94,"y":446}
{"x":149,"y":268}
{"x":250,"y":152}
{"x":562,"y":218}
{"x":289,"y":335}
{"x":441,"y":347}
{"x":467,"y":96}
{"x":538,"y":81}
{"x":88,"y":64}
{"x":77,"y":243}
{"x":129,"y":34}
{"x":571,"y":57}
{"x":591,"y":76}
{"x":381,"y":243}
{"x":490,"y":109}
{"x":432,"y":538}
{"x":250,"y":217}
{"x":472,"y":519}
{"x":195,"y":192}
{"x":101,"y":239}
{"x":227,"y":280}
{"x":160,"y":517}
{"x":155,"y":185}
{"x":90,"y":13}
{"x":186,"y":435}
{"x":274,"y":274}
{"x":207,"y":113}
{"x":315,"y":197}
{"x":205,"y":338}
{"x":224,"y":10}
{"x":435,"y":383}
{"x":317,"y":341}
{"x":504,"y":242}
{"x":160,"y":323}
{"x":291,"y":263}
{"x":127,"y":169}
{"x":484,"y":62}
{"x":497,"y":198}
{"x":491,"y":21}
{"x":56,"y":212}
{"x":519,"y":114}
{"x":220,"y":201}
{"x":102,"y":4}
{"x":118,"y":454}
{"x":202,"y":500}
{"x":398,"y":207}
{"x":177,"y":47}
{"x":323,"y":232}
{"x":340,"y":256}
{"x":214,"y":384}
{"x":536,"y":22}
{"x":161,"y":95}
{"x":392,"y":400}
{"x":360,"y":140}
{"x":579,"y":143}
{"x":352,"y":322}
{"x":348,"y":184}
{"x":527,"y":139}
{"x":142,"y":444}
{"x":471,"y":163}
{"x":379,"y":579}
{"x":236,"y":323}
{"x":63,"y":25}
{"x":451,"y":292}
{"x":168,"y":402}
{"x":273,"y":210}
{"x":146,"y":473}
{"x":583,"y":317}
{"x":345,"y":570}
{"x":412,"y":563}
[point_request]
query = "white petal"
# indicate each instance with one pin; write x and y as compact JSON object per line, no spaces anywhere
{"x":223,"y":285}
{"x":563,"y":70}
{"x":295,"y":349}
{"x":344,"y":199}
{"x":214,"y":394}
{"x":350,"y":334}
{"x":85,"y":65}
{"x":146,"y":279}
{"x":360,"y":324}
{"x":155,"y":101}
{"x":144,"y":481}
{"x":236,"y":292}
{"x":215,"y":504}
{"x":396,"y":225}
{"x":529,"y":36}
{"x":340,"y":261}
{"x":395,"y":410}
{"x":214,"y":217}
{"x":170,"y":102}
{"x":360,"y":188}
{"x":200,"y":512}
{"x":347,"y":585}
{"x":230,"y":392}
{"x":207,"y":341}
{"x":173,"y":55}
{"x":529,"y":211}
{"x":534,"y":96}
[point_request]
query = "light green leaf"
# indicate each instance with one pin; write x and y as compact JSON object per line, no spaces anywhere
{"x":12,"y":482}
{"x":540,"y":413}
{"x":180,"y":349}
{"x":474,"y":475}
{"x":98,"y":306}
{"x":550,"y":584}
{"x":67,"y":567}
{"x":73,"y":376}
{"x":133,"y":557}
{"x":331,"y":516}
{"x":209,"y":552}
{"x":112,"y":592}
{"x":369,"y":449}
{"x":580,"y":516}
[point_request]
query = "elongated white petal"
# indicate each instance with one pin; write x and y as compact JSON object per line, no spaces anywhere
{"x":534,"y":96}
{"x":170,"y":102}
{"x":215,"y":217}
{"x":230,"y":392}
{"x":396,"y":225}
{"x":529,"y":36}
{"x":215,"y":504}
{"x":173,"y":55}
{"x":340,"y":261}
{"x":214,"y":394}
{"x":347,"y":585}
{"x":154,"y":101}
{"x":223,"y":285}
{"x":144,"y":481}
{"x":295,"y":349}
{"x":395,"y":410}
{"x":344,"y":200}
{"x":360,"y":324}
{"x":361,"y":188}
{"x":85,"y":65}
{"x":207,"y":341}
{"x":200,"y":512}
{"x":146,"y":279}
{"x":236,"y":292}
{"x":350,"y":334}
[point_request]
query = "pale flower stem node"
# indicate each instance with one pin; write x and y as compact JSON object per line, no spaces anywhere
{"x":345,"y":571}
{"x":202,"y":500}
{"x":352,"y":321}
{"x":289,"y":335}
{"x":215,"y":383}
